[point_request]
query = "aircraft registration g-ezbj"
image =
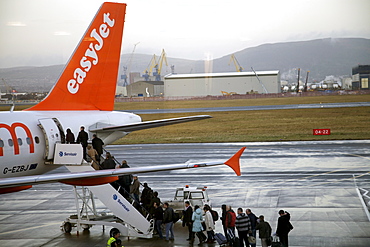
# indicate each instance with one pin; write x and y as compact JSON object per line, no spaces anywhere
{"x":82,"y":96}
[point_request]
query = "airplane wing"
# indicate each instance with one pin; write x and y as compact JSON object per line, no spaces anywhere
{"x":101,"y":127}
{"x":91,"y":178}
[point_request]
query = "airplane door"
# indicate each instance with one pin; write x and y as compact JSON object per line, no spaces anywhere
{"x":52,"y":134}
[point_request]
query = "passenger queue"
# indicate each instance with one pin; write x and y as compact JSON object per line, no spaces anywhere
{"x":197,"y":220}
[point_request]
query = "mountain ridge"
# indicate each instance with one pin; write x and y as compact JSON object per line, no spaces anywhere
{"x":322,"y":57}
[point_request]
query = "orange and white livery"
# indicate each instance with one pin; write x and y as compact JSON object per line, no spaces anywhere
{"x":82,"y":96}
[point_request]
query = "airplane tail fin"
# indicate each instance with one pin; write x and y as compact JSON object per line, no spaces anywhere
{"x":89,"y":79}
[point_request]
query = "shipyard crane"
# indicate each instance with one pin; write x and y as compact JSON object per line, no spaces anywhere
{"x":9,"y":89}
{"x":263,"y":86}
{"x":149,"y":70}
{"x":127,"y":69}
{"x":236,"y":63}
{"x":158,"y":67}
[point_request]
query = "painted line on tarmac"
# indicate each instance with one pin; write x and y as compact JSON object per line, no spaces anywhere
{"x":29,"y":228}
{"x":356,"y":155}
{"x":339,"y":180}
{"x":267,"y":187}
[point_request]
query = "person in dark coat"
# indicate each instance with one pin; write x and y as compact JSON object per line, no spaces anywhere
{"x":146,"y":196}
{"x":125,"y":181}
{"x":253,"y":219}
{"x":70,"y":137}
{"x":158,"y":217}
{"x":284,"y":227}
{"x":155,"y":199}
{"x":168,"y":221}
{"x":108,"y":162}
{"x":186,"y":221}
{"x":82,"y":138}
{"x":97,"y":144}
{"x":223,"y":218}
{"x":264,"y":231}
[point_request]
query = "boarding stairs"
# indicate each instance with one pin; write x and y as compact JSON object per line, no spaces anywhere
{"x":125,"y":214}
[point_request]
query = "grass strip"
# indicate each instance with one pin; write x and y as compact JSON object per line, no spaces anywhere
{"x":259,"y":126}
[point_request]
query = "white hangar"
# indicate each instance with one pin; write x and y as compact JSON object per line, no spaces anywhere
{"x":219,"y":83}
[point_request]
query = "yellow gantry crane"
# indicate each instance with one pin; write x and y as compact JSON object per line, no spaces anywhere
{"x":236,"y":63}
{"x":159,"y":65}
{"x":156,"y":64}
{"x":149,"y":69}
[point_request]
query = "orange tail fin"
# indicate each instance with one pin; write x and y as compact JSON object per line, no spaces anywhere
{"x":89,"y":79}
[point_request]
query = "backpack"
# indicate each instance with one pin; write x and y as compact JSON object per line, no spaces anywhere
{"x":214,"y":215}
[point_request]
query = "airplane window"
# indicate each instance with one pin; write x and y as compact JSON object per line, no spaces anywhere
{"x":20,"y":142}
{"x":28,"y":140}
{"x":37,"y":139}
{"x":10,"y":142}
{"x":1,"y":143}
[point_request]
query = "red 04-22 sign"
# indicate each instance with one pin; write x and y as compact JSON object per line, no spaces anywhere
{"x":321,"y":131}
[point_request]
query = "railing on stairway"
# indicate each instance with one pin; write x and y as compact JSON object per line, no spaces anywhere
{"x":123,"y":192}
{"x":132,"y":200}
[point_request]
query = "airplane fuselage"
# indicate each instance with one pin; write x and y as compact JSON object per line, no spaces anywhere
{"x":32,"y":141}
{"x":27,"y":138}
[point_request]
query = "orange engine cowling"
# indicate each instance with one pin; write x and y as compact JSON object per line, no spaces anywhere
{"x":90,"y":181}
{"x":14,"y":189}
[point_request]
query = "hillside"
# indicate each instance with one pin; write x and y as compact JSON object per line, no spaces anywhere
{"x":321,"y":57}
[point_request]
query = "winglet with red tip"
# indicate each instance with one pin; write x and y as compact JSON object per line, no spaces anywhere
{"x":233,"y":162}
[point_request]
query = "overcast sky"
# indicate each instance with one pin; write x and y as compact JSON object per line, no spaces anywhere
{"x":45,"y":32}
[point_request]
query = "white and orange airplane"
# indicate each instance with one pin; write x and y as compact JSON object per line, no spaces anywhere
{"x":83,"y":96}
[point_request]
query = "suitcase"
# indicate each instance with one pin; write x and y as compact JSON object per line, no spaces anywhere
{"x":234,"y":241}
{"x":221,"y":239}
{"x":276,"y":242}
{"x":201,"y":236}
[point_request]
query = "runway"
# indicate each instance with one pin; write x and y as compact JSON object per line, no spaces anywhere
{"x":314,"y":181}
{"x":253,"y":108}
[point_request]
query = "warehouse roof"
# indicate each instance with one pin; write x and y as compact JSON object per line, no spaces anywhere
{"x":225,"y":74}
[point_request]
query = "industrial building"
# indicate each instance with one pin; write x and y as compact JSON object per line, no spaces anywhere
{"x":360,"y":77}
{"x":145,"y":89}
{"x":177,"y":85}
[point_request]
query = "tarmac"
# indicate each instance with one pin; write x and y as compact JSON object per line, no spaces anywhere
{"x":314,"y":181}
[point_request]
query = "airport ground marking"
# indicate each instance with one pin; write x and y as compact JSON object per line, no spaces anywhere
{"x":29,"y":228}
{"x":267,"y":187}
{"x":356,"y":155}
